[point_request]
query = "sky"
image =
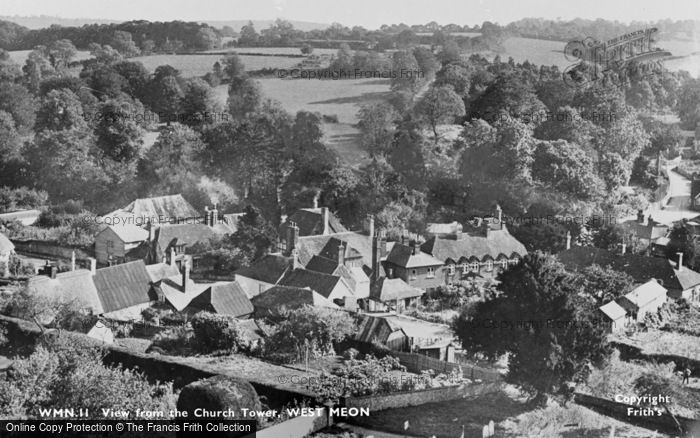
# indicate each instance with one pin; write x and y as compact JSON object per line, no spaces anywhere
{"x":368,"y":13}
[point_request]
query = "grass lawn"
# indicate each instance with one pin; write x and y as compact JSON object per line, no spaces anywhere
{"x":513,"y":418}
{"x":663,"y":342}
{"x":199,"y":65}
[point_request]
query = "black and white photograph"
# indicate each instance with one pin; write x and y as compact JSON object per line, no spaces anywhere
{"x":359,"y":219}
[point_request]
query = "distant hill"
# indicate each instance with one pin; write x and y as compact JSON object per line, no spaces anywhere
{"x":42,"y":21}
{"x":264,"y":24}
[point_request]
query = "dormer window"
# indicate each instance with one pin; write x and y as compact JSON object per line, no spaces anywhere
{"x":489,"y":266}
{"x":431,"y":272}
{"x":475,"y":266}
{"x":450,"y":269}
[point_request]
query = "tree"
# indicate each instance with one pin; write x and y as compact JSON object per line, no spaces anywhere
{"x":511,"y":95}
{"x":549,"y":351}
{"x":198,"y":104}
{"x":18,"y":102}
{"x":60,"y":53}
{"x":456,"y":75}
{"x":244,"y":98}
{"x":407,"y":69}
{"x":119,"y":134}
{"x":603,"y":284}
{"x":427,"y":64}
{"x":60,"y":110}
{"x":249,"y":37}
{"x":567,"y":168}
{"x":104,"y":54}
{"x":440,"y":105}
{"x":689,"y":104}
{"x":9,"y":71}
{"x":166,"y":95}
{"x":376,"y":122}
{"x":234,"y":70}
{"x":207,"y":39}
{"x":123,"y":43}
{"x":307,"y":49}
{"x":255,"y":235}
{"x":615,"y":171}
{"x":36,"y":68}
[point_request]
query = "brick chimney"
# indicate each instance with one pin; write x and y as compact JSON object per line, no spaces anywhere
{"x":206,"y":215}
{"x":295,"y":258}
{"x":326,"y":228}
{"x":341,"y":254}
{"x":377,"y":254}
{"x":404,"y":237}
{"x":315,"y":201}
{"x":414,"y":247}
{"x":640,"y":216}
{"x":93,"y":265}
{"x":185,"y":275}
{"x":214,"y":216}
{"x":370,"y":225}
{"x":680,"y":261}
{"x":172,"y":256}
{"x":499,"y":216}
{"x":568,"y":240}
{"x":292,"y":237}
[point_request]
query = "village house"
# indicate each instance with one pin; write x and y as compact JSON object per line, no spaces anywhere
{"x":682,"y":282}
{"x":330,"y":287}
{"x":388,"y":294}
{"x":7,"y":250}
{"x":646,"y":232}
{"x":264,"y":273}
{"x":408,"y":262}
{"x":483,"y":249}
{"x":156,"y":210}
{"x":223,"y":298}
{"x":118,"y":244}
{"x":276,"y":299}
{"x":642,"y":300}
{"x":315,"y":221}
{"x":613,"y":315}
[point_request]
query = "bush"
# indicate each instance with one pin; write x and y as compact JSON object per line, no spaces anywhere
{"x":177,"y":341}
{"x":216,"y":332}
{"x":350,"y":354}
{"x":21,"y":199}
{"x":219,"y":393}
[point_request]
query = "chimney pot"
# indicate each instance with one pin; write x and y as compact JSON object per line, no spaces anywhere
{"x":680,"y":261}
{"x":326,"y":229}
{"x":93,"y":265}
{"x":568,"y":240}
{"x":341,"y":254}
{"x":185,"y":275}
{"x":370,"y":219}
{"x":315,"y":205}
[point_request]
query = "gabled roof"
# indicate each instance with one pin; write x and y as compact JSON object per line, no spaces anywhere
{"x":73,"y":285}
{"x":375,"y":329}
{"x":390,"y":289}
{"x":316,"y":281}
{"x":171,"y":208}
{"x":159,"y":271}
{"x":330,"y":250}
{"x":6,"y":246}
{"x":497,"y":243}
{"x":640,"y":268}
{"x":646,"y":293}
{"x":224,"y":298}
{"x":649,"y":230}
{"x":270,"y":268}
{"x":310,"y":246}
{"x":331,"y":267}
{"x":277,"y":297}
{"x":687,"y":278}
{"x":128,"y":233}
{"x":402,"y":255}
{"x":171,"y":288}
{"x":185,"y":234}
{"x":123,"y":286}
{"x":613,"y":310}
{"x":310,"y":222}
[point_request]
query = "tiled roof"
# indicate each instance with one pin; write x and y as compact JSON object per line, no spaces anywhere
{"x":270,"y":268}
{"x":316,"y":281}
{"x":277,"y":297}
{"x":224,"y":298}
{"x":6,"y":246}
{"x":687,"y":278}
{"x":73,"y":285}
{"x":640,"y":268}
{"x":123,"y":286}
{"x":159,"y":271}
{"x":322,"y":264}
{"x":389,"y":289}
{"x":613,"y":310}
{"x":497,"y":243}
{"x":646,"y":293}
{"x":650,"y":230}
{"x":310,"y":222}
{"x":185,"y":234}
{"x":129,"y":233}
{"x":310,"y":246}
{"x":171,"y":207}
{"x":330,"y":250}
{"x":401,"y":255}
{"x":171,"y":288}
{"x":375,"y":329}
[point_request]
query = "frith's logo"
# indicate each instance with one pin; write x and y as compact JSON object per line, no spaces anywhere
{"x":594,"y":58}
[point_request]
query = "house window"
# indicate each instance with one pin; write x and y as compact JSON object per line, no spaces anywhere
{"x":489,"y":266}
{"x":450,"y":269}
{"x":475,"y":266}
{"x":465,"y":269}
{"x":110,"y":244}
{"x":503,"y":263}
{"x":513,"y":261}
{"x":431,"y":273}
{"x":414,"y":274}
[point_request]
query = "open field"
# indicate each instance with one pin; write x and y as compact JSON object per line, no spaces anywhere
{"x":274,"y":50}
{"x":199,"y":65}
{"x":341,"y":98}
